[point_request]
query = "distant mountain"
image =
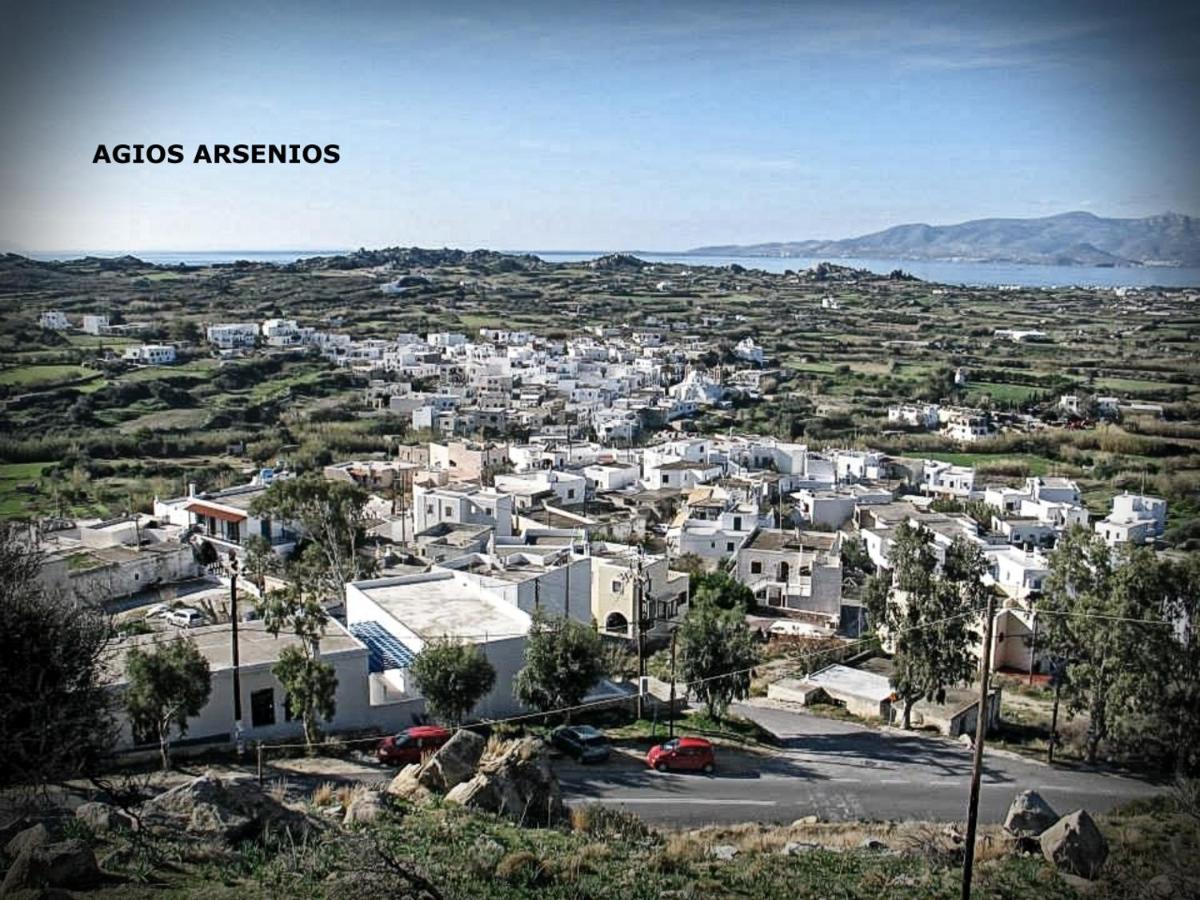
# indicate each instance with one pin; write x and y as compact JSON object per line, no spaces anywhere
{"x":1069,"y":239}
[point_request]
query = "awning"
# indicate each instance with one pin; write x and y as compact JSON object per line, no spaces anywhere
{"x":203,"y":509}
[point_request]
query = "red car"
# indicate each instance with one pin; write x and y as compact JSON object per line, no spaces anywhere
{"x":685,"y":754}
{"x":412,"y":744}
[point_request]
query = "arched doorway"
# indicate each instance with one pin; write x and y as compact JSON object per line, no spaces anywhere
{"x":617,"y":623}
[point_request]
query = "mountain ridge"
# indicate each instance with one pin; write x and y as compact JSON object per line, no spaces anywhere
{"x":1075,"y":238}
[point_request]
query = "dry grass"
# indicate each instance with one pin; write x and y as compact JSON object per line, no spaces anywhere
{"x":324,"y":794}
{"x":278,"y":790}
{"x":348,"y":793}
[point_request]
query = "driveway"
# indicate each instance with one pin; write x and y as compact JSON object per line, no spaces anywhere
{"x":839,"y":771}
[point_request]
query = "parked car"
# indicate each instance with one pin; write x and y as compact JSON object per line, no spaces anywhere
{"x":683,"y":754}
{"x":583,"y":742}
{"x":157,"y":611}
{"x":410,"y":745}
{"x":185,"y":618}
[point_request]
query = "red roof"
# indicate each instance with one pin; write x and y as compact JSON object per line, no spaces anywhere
{"x":203,"y":509}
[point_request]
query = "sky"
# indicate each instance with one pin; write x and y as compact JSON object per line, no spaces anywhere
{"x":589,"y":126}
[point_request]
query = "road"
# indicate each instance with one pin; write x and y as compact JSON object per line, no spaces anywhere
{"x":839,"y":771}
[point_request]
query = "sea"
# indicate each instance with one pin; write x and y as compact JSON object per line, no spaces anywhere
{"x":970,"y":274}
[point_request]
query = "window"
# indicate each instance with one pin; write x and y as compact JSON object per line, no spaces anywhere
{"x":666,"y":479}
{"x":756,"y":567}
{"x":570,"y":493}
{"x":447,"y":512}
{"x":729,"y":546}
{"x":616,"y":586}
{"x":262,"y":707}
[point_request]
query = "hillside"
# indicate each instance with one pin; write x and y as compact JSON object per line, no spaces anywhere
{"x":1074,"y":238}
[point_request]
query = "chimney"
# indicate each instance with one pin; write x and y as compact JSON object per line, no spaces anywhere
{"x":191,"y":489}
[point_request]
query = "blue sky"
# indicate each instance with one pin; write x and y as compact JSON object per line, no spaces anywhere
{"x":590,"y":126}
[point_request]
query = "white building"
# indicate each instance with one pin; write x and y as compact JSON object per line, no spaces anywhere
{"x":462,"y":504}
{"x":228,"y":335}
{"x":55,"y":320}
{"x":400,"y":616}
{"x":281,"y":332}
{"x":150,"y":354}
{"x":799,"y":570}
{"x":93,"y":324}
{"x":947,"y":480}
{"x":1135,"y":519}
{"x":750,"y":352}
{"x":914,"y":415}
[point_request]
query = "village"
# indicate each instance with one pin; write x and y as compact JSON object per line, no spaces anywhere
{"x":599,"y":520}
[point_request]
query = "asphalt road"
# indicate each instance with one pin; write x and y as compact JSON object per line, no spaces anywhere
{"x":839,"y":771}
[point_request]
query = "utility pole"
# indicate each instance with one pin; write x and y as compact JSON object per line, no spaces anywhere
{"x":233,"y":632}
{"x":671,"y":708}
{"x":639,"y":593}
{"x":981,"y":724}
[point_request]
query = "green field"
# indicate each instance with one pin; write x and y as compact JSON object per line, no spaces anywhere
{"x":1037,"y":465}
{"x":13,"y":501}
{"x":1002,"y":393}
{"x":38,"y":376}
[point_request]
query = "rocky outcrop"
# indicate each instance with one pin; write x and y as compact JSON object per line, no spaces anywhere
{"x":407,"y":784}
{"x":1029,"y":815}
{"x":62,"y":864}
{"x":518,"y":783}
{"x":103,"y":817}
{"x":209,"y":807}
{"x":1075,"y":845}
{"x":453,"y":763}
{"x":27,"y":839}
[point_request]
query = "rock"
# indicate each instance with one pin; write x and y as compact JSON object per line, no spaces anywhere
{"x":965,"y":740}
{"x":365,"y":808}
{"x":64,"y":864}
{"x":34,"y":836}
{"x":103,"y":817}
{"x":724,"y":852}
{"x":453,"y":763}
{"x":518,"y":783}
{"x":1029,"y":815}
{"x":806,"y":820}
{"x":1075,"y":845}
{"x":407,"y":784}
{"x":795,"y":848}
{"x":209,"y":807}
{"x":872,"y":844}
{"x":12,"y":828}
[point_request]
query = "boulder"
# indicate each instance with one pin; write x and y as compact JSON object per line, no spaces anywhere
{"x":63,"y":864}
{"x":407,"y":784}
{"x":806,"y":820}
{"x":453,"y":763}
{"x":209,"y":807}
{"x":796,"y":848}
{"x":103,"y":817}
{"x":723,"y":852}
{"x":365,"y":808}
{"x":870,"y":843}
{"x":34,"y":836}
{"x":1075,"y":845}
{"x":1029,"y":815}
{"x":518,"y":783}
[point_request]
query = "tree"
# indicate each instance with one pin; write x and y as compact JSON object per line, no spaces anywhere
{"x":453,"y":677}
{"x":716,"y":655}
{"x":332,"y":515}
{"x":927,"y":616}
{"x":309,"y":684}
{"x":259,"y":561}
{"x":1077,"y":596}
{"x":309,"y":687}
{"x":722,"y":590}
{"x":56,"y":713}
{"x":563,"y":659}
{"x":166,"y":687}
{"x":1124,"y":623}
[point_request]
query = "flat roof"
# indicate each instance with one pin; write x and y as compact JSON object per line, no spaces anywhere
{"x":256,"y":645}
{"x":776,"y":539}
{"x":855,"y":682}
{"x":437,"y":605}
